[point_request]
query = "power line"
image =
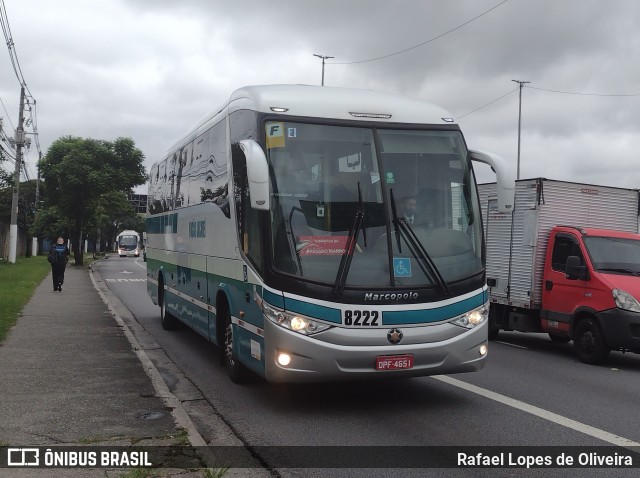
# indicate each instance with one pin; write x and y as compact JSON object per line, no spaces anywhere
{"x":583,"y":94}
{"x":488,"y":104}
{"x":13,"y":54}
{"x":423,"y":43}
{"x":612,"y":95}
{"x":8,"y":154}
{"x":8,"y":116}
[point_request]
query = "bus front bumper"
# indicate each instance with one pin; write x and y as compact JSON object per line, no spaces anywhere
{"x":313,"y":360}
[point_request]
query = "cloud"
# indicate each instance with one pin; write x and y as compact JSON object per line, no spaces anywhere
{"x":149,"y":70}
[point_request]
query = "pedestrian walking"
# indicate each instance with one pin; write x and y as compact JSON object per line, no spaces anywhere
{"x":58,"y":258}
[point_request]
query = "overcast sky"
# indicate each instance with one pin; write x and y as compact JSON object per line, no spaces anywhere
{"x":150,"y":69}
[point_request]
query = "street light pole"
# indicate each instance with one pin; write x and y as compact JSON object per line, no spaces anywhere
{"x":521,"y":83}
{"x":324,"y":57}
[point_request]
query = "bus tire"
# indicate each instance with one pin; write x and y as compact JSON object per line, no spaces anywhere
{"x":589,"y":343}
{"x":237,"y":372}
{"x":168,"y":321}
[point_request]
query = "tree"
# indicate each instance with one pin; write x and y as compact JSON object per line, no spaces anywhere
{"x":5,"y":177}
{"x":113,"y":212}
{"x":26,"y":207}
{"x":80,"y":173}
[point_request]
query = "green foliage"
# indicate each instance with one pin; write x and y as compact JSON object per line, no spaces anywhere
{"x":216,"y":472}
{"x":86,"y":185}
{"x":5,"y":178}
{"x":50,"y":222}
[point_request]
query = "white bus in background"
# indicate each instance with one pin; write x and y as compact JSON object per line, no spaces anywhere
{"x":128,"y":244}
{"x":275,"y":230}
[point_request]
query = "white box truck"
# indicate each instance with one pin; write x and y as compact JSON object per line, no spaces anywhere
{"x":566,"y":263}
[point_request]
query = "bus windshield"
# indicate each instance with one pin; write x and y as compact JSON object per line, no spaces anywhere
{"x":381,"y":207}
{"x":128,"y":241}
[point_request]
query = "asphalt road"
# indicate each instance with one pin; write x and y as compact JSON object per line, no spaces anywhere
{"x":532,"y":393}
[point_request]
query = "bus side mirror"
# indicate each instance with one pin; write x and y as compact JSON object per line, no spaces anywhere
{"x":506,"y":184}
{"x":257,"y":174}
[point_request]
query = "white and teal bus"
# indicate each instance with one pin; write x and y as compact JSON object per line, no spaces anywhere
{"x":276,"y":229}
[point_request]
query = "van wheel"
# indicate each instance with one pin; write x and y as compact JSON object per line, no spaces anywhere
{"x":494,"y":330}
{"x":168,"y":321}
{"x":589,"y":342}
{"x":559,"y":339}
{"x":237,"y":371}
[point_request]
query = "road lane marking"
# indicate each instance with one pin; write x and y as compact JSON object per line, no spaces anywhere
{"x":140,"y":264}
{"x":125,"y":280}
{"x":512,"y":345}
{"x":542,"y":413}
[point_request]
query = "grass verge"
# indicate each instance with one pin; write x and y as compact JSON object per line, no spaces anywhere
{"x":17,"y":283}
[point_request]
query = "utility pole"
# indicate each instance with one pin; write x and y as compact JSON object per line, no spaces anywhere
{"x":13,"y":226}
{"x":324,"y":57}
{"x":34,"y":239}
{"x":521,"y":83}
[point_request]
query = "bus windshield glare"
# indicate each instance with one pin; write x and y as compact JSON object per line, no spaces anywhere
{"x":128,"y":242}
{"x":384,"y":207}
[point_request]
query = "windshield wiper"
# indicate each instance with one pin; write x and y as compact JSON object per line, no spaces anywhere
{"x":364,"y":229}
{"x":621,"y":270}
{"x":416,"y":248}
{"x":350,"y":246}
{"x":395,"y":219}
{"x":291,"y":239}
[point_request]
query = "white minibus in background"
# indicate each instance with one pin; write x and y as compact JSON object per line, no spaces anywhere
{"x":128,"y":244}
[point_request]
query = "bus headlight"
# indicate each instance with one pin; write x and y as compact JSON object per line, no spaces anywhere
{"x":472,"y":318}
{"x":296,"y":322}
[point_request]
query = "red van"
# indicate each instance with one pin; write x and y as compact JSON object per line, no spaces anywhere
{"x":572,"y":282}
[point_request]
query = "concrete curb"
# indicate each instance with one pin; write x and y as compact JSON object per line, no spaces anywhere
{"x":178,"y":412}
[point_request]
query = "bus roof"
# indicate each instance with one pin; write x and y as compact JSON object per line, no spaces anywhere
{"x":337,"y":103}
{"x":324,"y":102}
{"x":128,"y":232}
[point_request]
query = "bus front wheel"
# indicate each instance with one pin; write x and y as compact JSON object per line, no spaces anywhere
{"x":237,"y":371}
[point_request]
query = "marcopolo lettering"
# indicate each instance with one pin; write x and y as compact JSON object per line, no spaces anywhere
{"x":371,"y":297}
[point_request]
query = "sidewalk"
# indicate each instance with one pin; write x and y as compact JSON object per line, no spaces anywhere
{"x":69,"y":377}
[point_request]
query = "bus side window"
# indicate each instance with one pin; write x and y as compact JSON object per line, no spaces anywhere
{"x":242,"y":126}
{"x":247,"y":218}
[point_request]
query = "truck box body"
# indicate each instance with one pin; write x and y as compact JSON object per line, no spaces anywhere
{"x":516,"y":244}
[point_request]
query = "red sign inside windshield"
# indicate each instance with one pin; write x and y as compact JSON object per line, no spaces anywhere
{"x":322,"y":245}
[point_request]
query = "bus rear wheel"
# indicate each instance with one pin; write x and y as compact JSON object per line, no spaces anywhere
{"x":168,"y":321}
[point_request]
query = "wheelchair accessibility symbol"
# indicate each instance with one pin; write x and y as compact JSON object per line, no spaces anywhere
{"x":401,"y":267}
